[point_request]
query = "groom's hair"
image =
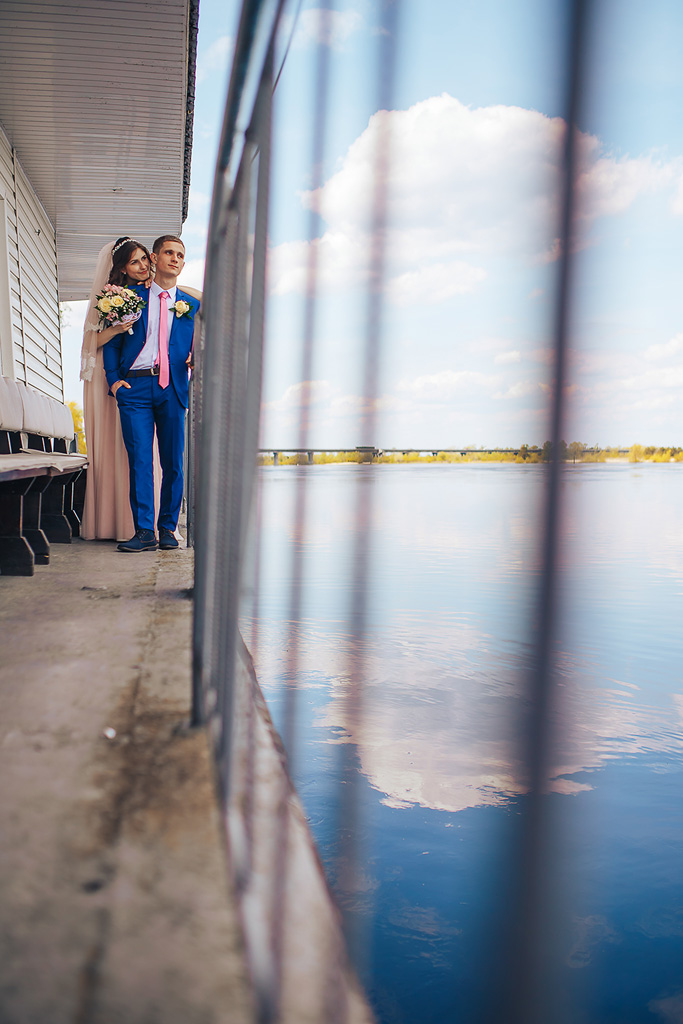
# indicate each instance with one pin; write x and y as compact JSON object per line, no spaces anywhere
{"x":158,"y":242}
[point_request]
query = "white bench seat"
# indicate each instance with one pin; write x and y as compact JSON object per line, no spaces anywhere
{"x":39,"y":468}
{"x":28,"y":463}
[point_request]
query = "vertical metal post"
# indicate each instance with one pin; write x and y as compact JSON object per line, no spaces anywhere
{"x":321,"y":93}
{"x":188,"y":467}
{"x":349,"y":825}
{"x":527,"y":966}
{"x":260,"y":189}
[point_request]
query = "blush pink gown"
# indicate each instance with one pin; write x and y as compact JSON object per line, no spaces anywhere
{"x":107,"y":514}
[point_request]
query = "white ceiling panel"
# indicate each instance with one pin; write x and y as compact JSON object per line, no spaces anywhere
{"x":96,"y":97}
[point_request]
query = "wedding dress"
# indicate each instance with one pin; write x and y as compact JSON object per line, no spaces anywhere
{"x":107,"y":514}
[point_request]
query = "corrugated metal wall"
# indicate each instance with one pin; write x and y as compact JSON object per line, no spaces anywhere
{"x":14,"y":318}
{"x":32,"y":263}
{"x":95,"y":99}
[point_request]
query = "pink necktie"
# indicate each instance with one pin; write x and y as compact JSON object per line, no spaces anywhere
{"x":163,"y":340}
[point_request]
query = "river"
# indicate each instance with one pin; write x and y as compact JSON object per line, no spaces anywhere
{"x":453,"y":567}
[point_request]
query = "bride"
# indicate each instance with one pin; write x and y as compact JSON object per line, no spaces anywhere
{"x":107,"y":514}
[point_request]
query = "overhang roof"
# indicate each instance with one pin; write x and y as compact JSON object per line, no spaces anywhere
{"x":97,"y":98}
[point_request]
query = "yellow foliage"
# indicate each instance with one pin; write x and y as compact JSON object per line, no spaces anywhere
{"x":323,"y":458}
{"x":298,"y":459}
{"x":77,"y":414}
{"x":637,"y":453}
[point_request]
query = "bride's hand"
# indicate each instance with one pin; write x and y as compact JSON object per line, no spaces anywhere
{"x":109,"y":332}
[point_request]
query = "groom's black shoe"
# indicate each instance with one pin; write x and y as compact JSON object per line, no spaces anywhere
{"x":144,"y":540}
{"x":167,"y":539}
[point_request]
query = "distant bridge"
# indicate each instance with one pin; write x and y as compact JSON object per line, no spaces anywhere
{"x":368,"y":452}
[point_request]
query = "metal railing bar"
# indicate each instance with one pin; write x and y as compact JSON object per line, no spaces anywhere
{"x":321,"y":86}
{"x":208,"y":527}
{"x":529,"y":994}
{"x":254,"y":383}
{"x":348,"y":848}
{"x":295,"y":21}
{"x":233,"y":461}
{"x":231,"y":375}
{"x":258,"y":22}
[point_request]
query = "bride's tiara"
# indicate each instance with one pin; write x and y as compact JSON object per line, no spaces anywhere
{"x":123,"y":242}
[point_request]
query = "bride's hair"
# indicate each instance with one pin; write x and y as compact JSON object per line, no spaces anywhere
{"x":124,"y":248}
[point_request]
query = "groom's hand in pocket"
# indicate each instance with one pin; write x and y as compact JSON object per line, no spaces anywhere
{"x":119,"y":384}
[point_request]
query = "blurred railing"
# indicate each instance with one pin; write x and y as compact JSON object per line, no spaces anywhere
{"x":290,"y":929}
{"x":226,"y":402}
{"x":228,"y":378}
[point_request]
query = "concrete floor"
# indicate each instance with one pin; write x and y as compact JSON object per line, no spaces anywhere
{"x":113,"y":882}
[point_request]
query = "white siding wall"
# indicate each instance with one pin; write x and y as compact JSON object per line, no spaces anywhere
{"x":14,"y":319}
{"x":31,"y":259}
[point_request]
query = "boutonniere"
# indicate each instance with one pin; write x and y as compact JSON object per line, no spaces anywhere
{"x":181,"y":308}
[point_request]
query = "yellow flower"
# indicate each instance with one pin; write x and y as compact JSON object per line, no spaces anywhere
{"x":104,"y":305}
{"x":118,"y":300}
{"x":181,"y":308}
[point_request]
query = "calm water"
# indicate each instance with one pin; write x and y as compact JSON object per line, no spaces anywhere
{"x":453,"y":567}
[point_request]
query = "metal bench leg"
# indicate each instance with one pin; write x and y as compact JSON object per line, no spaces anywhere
{"x":31,"y":522}
{"x":16,"y":554}
{"x":77,"y":494}
{"x":52,"y":518}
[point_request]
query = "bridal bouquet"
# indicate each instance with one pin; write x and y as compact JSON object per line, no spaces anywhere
{"x":117,"y":305}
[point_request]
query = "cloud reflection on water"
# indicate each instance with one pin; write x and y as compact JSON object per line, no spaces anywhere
{"x":441,"y":711}
{"x":455,"y":557}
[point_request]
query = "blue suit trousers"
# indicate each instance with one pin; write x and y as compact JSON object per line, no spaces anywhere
{"x":144,"y":407}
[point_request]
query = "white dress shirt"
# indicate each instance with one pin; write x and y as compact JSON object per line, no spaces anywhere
{"x":150,"y":350}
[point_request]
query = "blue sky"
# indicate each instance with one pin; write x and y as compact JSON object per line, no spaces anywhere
{"x":469,"y":299}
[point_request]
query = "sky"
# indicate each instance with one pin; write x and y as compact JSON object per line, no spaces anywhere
{"x":476,"y":134}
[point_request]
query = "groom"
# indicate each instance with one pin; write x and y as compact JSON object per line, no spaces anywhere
{"x":147,"y":371}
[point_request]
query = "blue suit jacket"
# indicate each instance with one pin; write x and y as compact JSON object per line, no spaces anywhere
{"x":120,"y":353}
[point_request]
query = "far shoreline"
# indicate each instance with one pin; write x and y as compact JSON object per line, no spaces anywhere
{"x":320,"y":458}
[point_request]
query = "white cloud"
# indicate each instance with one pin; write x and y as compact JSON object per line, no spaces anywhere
{"x":608,"y":185}
{"x":507,"y":358}
{"x":216,"y":57}
{"x":445,"y":385}
{"x":73,"y":317}
{"x":677,"y":203}
{"x":73,"y":313}
{"x":306,"y":393}
{"x":465,"y":186}
{"x":198,"y":212}
{"x":673,"y":347}
{"x":342,"y":260}
{"x":523,"y":389}
{"x":637,"y":391}
{"x":193,"y":274}
{"x":328,"y":28}
{"x":654,"y":379}
{"x":434,"y":283}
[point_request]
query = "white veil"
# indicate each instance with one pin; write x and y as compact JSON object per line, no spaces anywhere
{"x":90,"y":327}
